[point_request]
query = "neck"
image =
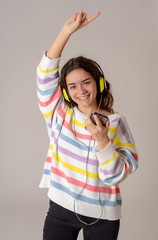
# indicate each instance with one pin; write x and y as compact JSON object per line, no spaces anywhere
{"x":88,"y":110}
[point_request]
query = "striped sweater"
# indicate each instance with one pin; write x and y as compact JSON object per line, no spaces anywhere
{"x":73,"y":164}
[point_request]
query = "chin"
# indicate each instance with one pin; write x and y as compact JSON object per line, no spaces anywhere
{"x":84,"y":105}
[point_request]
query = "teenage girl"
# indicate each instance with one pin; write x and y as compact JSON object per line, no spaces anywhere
{"x":86,"y":159}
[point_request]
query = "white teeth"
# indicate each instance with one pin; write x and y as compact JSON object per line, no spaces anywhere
{"x":83,"y":97}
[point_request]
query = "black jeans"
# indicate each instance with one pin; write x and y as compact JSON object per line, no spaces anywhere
{"x":62,"y":224}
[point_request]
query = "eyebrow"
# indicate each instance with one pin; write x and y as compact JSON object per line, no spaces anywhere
{"x":81,"y":81}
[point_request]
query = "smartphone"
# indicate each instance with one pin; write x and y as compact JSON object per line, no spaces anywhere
{"x":101,"y":117}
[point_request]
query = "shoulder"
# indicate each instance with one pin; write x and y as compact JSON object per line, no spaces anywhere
{"x":118,"y":120}
{"x":116,"y":116}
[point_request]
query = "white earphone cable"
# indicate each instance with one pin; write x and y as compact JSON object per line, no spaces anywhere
{"x":79,"y":194}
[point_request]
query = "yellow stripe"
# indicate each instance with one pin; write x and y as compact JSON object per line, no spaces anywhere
{"x":110,"y":160}
{"x":112,"y":130}
{"x":48,"y":115}
{"x":47,"y":71}
{"x":50,"y":147}
{"x":127,"y":144}
{"x":74,"y":121}
{"x":69,"y":112}
{"x":77,"y":123}
{"x":118,"y":143}
{"x":73,"y":168}
{"x":81,"y":124}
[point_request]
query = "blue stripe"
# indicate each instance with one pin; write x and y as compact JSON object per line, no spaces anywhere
{"x":109,"y":180}
{"x":58,"y":127}
{"x":130,"y":157}
{"x":72,"y":142}
{"x":133,"y":162}
{"x":83,"y":198}
{"x":46,"y":172}
{"x":46,"y":92}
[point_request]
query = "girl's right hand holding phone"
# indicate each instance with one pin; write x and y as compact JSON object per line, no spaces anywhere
{"x":98,"y":131}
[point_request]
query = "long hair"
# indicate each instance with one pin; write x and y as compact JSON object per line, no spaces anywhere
{"x":91,"y":67}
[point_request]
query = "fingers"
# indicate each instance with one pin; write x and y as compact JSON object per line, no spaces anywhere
{"x":91,"y":125}
{"x":90,"y":19}
{"x":74,"y":16}
{"x":98,"y":122}
{"x":82,"y":19}
{"x":98,"y":131}
{"x":77,"y":16}
{"x":80,"y":16}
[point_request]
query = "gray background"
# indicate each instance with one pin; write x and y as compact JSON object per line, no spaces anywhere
{"x":124,"y":40}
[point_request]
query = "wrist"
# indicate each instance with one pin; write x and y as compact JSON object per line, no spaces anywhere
{"x":64,"y":32}
{"x":103,"y":144}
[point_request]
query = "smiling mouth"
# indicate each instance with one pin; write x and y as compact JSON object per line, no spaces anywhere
{"x":83,"y":97}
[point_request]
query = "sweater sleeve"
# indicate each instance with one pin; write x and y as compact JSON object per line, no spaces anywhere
{"x":48,"y":92}
{"x":119,"y":158}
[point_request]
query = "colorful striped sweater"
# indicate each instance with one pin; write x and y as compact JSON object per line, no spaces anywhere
{"x":66,"y":170}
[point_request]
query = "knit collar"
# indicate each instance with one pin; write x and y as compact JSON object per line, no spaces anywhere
{"x":80,"y":115}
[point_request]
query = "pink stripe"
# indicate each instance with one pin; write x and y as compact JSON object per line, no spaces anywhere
{"x":126,"y":169}
{"x":54,"y":97}
{"x":67,"y":125}
{"x":135,"y":156}
{"x":77,"y":134}
{"x":48,"y":159}
{"x":61,"y":112}
{"x":81,"y":184}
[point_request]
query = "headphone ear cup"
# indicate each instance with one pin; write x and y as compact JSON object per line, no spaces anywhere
{"x":66,"y":95}
{"x":102,"y":84}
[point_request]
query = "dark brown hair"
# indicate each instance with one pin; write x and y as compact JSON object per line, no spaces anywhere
{"x":95,"y":71}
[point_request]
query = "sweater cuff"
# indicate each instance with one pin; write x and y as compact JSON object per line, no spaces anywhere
{"x":49,"y":64}
{"x":106,"y":153}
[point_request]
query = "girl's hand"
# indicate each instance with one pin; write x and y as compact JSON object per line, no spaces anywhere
{"x":98,"y":131}
{"x":77,"y":21}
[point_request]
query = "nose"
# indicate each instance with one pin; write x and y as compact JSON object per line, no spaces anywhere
{"x":81,"y":89}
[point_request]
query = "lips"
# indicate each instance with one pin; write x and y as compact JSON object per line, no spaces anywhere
{"x":83,"y":97}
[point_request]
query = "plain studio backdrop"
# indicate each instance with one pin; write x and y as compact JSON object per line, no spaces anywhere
{"x":124,"y":41}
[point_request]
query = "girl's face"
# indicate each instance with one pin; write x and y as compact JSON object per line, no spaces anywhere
{"x":83,"y":90}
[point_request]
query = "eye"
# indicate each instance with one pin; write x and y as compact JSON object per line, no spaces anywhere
{"x":87,"y":82}
{"x":72,"y":87}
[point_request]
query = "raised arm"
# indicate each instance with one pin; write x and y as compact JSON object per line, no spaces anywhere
{"x":49,"y":94}
{"x":77,"y":21}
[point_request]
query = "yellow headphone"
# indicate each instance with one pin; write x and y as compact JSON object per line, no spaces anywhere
{"x":102,"y":84}
{"x":66,"y":95}
{"x":100,"y":87}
